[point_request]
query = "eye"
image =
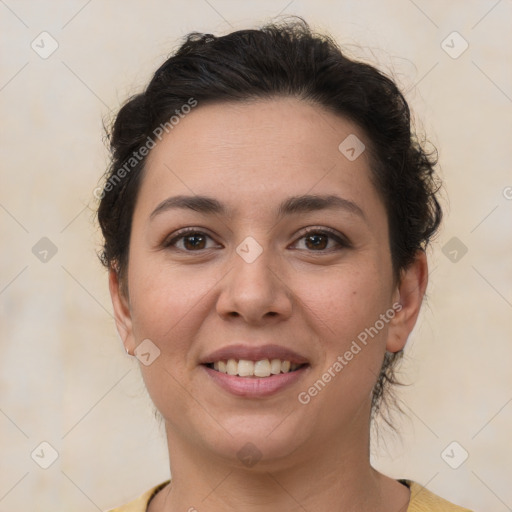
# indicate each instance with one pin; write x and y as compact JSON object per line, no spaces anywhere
{"x":190,"y":240}
{"x":318,"y":240}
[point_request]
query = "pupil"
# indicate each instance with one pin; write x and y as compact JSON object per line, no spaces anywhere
{"x":317,"y":241}
{"x":194,"y":242}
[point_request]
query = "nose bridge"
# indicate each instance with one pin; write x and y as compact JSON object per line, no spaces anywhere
{"x":254,"y":289}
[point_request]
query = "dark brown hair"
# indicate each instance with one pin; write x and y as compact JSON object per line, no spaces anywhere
{"x":285,"y":59}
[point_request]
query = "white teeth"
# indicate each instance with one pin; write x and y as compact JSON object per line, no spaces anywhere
{"x":261,"y":368}
{"x":275,"y":366}
{"x":245,"y":368}
{"x":232,"y":367}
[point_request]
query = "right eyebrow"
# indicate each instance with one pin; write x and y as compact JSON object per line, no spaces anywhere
{"x":201,"y":204}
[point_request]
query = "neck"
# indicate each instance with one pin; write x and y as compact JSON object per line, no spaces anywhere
{"x":323,"y":477}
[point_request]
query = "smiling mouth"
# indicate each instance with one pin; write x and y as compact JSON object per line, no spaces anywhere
{"x":258,"y":369}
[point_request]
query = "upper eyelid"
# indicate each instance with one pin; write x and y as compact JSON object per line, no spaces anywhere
{"x":317,"y":229}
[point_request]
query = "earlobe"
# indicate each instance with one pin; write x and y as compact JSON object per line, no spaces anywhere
{"x":122,"y":314}
{"x":411,"y":290}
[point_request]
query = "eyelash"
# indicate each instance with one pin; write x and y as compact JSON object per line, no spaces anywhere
{"x":342,"y":242}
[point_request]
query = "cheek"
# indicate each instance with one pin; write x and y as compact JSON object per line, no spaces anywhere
{"x":167,"y":302}
{"x":344,"y":302}
{"x":169,"y":307}
{"x":344,"y":309}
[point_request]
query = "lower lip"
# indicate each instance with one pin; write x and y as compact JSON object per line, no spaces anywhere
{"x":255,"y":387}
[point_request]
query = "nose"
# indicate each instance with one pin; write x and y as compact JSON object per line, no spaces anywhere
{"x":255,"y":290}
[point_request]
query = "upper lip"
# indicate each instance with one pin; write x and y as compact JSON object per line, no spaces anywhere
{"x":253,"y":353}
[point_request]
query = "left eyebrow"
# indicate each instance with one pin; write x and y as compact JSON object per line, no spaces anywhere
{"x":309,"y":203}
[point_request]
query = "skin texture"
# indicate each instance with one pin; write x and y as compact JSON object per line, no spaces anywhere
{"x":251,"y":157}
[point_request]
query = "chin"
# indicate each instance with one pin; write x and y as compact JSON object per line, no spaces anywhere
{"x":264,"y":445}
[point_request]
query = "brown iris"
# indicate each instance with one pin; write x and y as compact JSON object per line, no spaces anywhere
{"x":194,"y":241}
{"x":316,"y":241}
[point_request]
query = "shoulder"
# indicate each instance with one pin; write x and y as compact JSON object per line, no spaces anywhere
{"x":422,"y":500}
{"x":140,"y":504}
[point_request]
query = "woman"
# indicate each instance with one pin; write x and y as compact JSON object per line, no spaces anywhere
{"x":265,"y":216}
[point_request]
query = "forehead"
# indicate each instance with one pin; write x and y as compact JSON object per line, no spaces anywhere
{"x":288,"y":126}
{"x":271,"y":148}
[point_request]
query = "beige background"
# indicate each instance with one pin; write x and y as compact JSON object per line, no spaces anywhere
{"x":64,"y":377}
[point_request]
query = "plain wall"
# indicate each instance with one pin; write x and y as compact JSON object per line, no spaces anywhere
{"x":64,"y":376}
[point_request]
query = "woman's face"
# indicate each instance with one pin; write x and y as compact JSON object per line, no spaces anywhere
{"x":256,"y":238}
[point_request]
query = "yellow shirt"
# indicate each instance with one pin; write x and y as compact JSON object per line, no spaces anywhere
{"x":421,"y":500}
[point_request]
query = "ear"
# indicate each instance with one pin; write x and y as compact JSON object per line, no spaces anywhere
{"x":408,"y":299}
{"x":122,"y":312}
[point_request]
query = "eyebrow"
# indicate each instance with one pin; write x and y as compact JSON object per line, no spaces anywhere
{"x":292,"y":205}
